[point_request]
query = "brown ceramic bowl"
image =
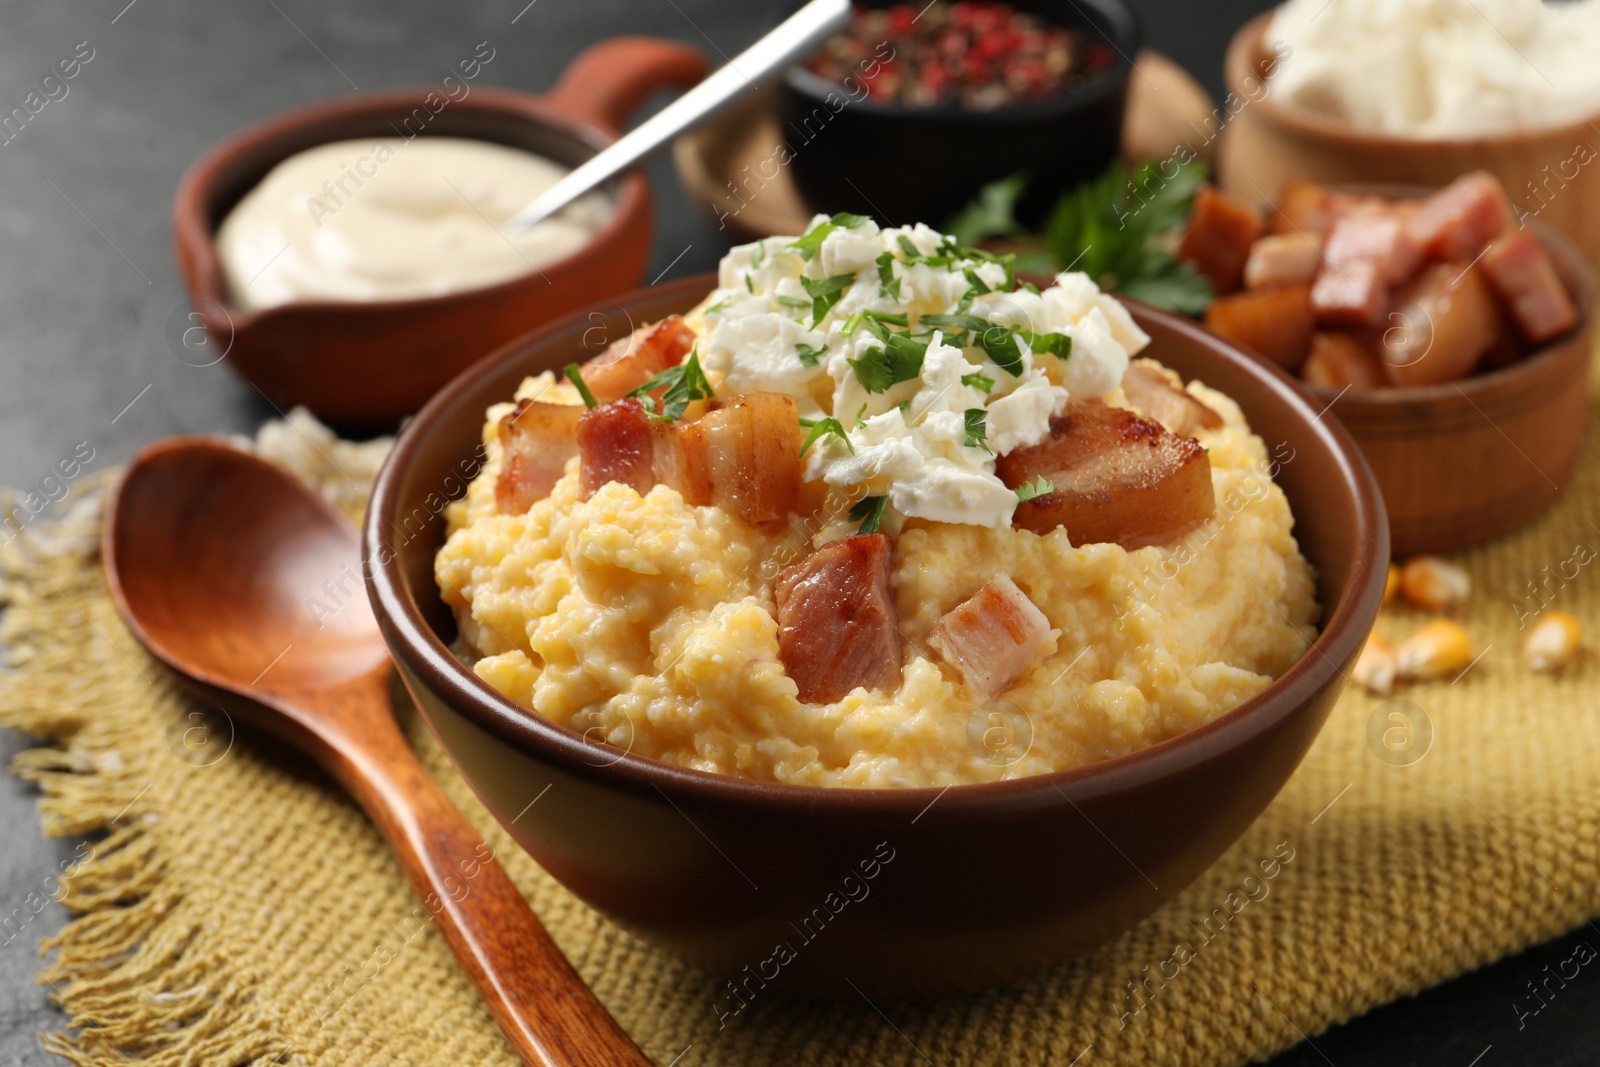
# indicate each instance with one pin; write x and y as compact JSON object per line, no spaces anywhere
{"x":1267,"y":143}
{"x":369,"y":364}
{"x":983,"y":883}
{"x":1467,"y":461}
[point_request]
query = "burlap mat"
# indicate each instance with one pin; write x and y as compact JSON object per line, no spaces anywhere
{"x":236,"y":907}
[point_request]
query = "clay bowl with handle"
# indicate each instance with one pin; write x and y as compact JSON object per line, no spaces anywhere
{"x":369,"y":364}
{"x":1547,"y":173}
{"x":947,"y":890}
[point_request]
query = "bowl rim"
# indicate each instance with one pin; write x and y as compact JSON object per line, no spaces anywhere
{"x":418,"y":649}
{"x":630,"y":194}
{"x":1249,"y":43}
{"x":1127,"y":39}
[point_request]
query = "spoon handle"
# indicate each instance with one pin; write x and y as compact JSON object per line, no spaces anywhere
{"x":543,"y":1007}
{"x":794,"y":39}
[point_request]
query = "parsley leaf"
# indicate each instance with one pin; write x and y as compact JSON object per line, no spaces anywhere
{"x":890,"y":318}
{"x":808,"y":355}
{"x":981,"y":382}
{"x":868,"y":511}
{"x":899,"y":360}
{"x":978,"y":285}
{"x":1057,"y":344}
{"x":575,"y":376}
{"x":825,"y":293}
{"x":907,"y":247}
{"x":1036,"y":488}
{"x":977,"y":425}
{"x":749,"y":285}
{"x":793,"y":302}
{"x":821,"y":428}
{"x":997,"y":341}
{"x":860,"y":421}
{"x":808,"y":243}
{"x":684,"y":383}
{"x":888,"y":284}
{"x":992,"y":213}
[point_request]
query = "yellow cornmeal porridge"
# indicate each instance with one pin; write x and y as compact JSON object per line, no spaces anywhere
{"x":939,"y":392}
{"x":652,"y":623}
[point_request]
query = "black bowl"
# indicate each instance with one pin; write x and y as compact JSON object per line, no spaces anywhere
{"x":904,"y":164}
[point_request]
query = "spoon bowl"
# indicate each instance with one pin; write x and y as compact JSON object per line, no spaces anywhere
{"x":248,"y":584}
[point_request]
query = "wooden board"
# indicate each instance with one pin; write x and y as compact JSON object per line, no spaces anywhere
{"x":1166,"y":108}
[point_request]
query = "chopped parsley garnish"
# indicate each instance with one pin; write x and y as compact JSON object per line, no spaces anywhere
{"x":899,"y":360}
{"x":749,"y":285}
{"x":868,"y":511}
{"x":684,"y":383}
{"x":825,"y":293}
{"x":720,"y":304}
{"x":575,"y":376}
{"x":860,"y":419}
{"x":981,"y":382}
{"x":978,"y":285}
{"x":853,"y":323}
{"x":997,"y":341}
{"x":1057,"y":344}
{"x":888,"y":284}
{"x":1036,"y":488}
{"x":887,"y":318}
{"x":808,"y":244}
{"x":759,"y":254}
{"x":808,"y":355}
{"x":793,"y":301}
{"x":907,"y":247}
{"x":821,"y":428}
{"x":976,"y":420}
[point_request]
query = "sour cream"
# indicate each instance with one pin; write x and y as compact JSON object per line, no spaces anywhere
{"x":395,"y":219}
{"x":928,"y":441}
{"x":1440,"y":68}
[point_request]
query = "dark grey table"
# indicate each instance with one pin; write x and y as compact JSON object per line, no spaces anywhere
{"x":87,"y":286}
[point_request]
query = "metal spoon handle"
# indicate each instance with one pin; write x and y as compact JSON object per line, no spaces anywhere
{"x":795,"y":38}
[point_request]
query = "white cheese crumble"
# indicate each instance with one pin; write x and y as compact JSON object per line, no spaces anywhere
{"x":927,"y":407}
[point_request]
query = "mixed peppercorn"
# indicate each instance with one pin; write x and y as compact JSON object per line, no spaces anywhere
{"x":978,"y":55}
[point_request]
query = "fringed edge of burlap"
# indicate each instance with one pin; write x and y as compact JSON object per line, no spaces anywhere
{"x":134,"y":969}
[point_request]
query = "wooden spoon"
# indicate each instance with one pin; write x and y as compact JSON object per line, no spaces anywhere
{"x":239,"y":577}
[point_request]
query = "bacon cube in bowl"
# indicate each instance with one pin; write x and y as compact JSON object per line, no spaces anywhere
{"x":1377,"y":235}
{"x":1519,"y":270}
{"x":1114,"y":477}
{"x":1341,"y":360}
{"x":993,"y":638}
{"x":1458,"y":220}
{"x":1443,"y":322}
{"x":836,"y":619}
{"x":1219,"y":235}
{"x":1283,"y":259}
{"x":1352,"y":294}
{"x":1274,"y":323}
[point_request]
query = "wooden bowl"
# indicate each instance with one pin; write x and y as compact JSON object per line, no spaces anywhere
{"x":369,"y":364}
{"x":982,"y":883}
{"x":1268,"y":143}
{"x":1467,"y":461}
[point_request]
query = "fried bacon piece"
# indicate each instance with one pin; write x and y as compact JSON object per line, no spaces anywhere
{"x":1351,"y":294}
{"x":1519,"y":269}
{"x":616,"y":443}
{"x":1304,"y":208}
{"x":637,"y":358}
{"x":1116,"y":478}
{"x":1341,"y":360}
{"x":1275,"y":323}
{"x":1154,"y":394}
{"x":1283,"y":259}
{"x":752,"y":455}
{"x":1458,"y":220}
{"x":1442,"y":323}
{"x":1218,"y":239}
{"x":743,"y":456}
{"x":1376,"y":235}
{"x":836,"y":619}
{"x":994,"y":638}
{"x":536,"y":440}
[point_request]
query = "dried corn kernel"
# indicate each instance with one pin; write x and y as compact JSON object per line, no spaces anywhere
{"x":1438,"y":649}
{"x":1433,"y":584}
{"x":1391,"y":585}
{"x":1554,"y":642}
{"x":1375,"y":667}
